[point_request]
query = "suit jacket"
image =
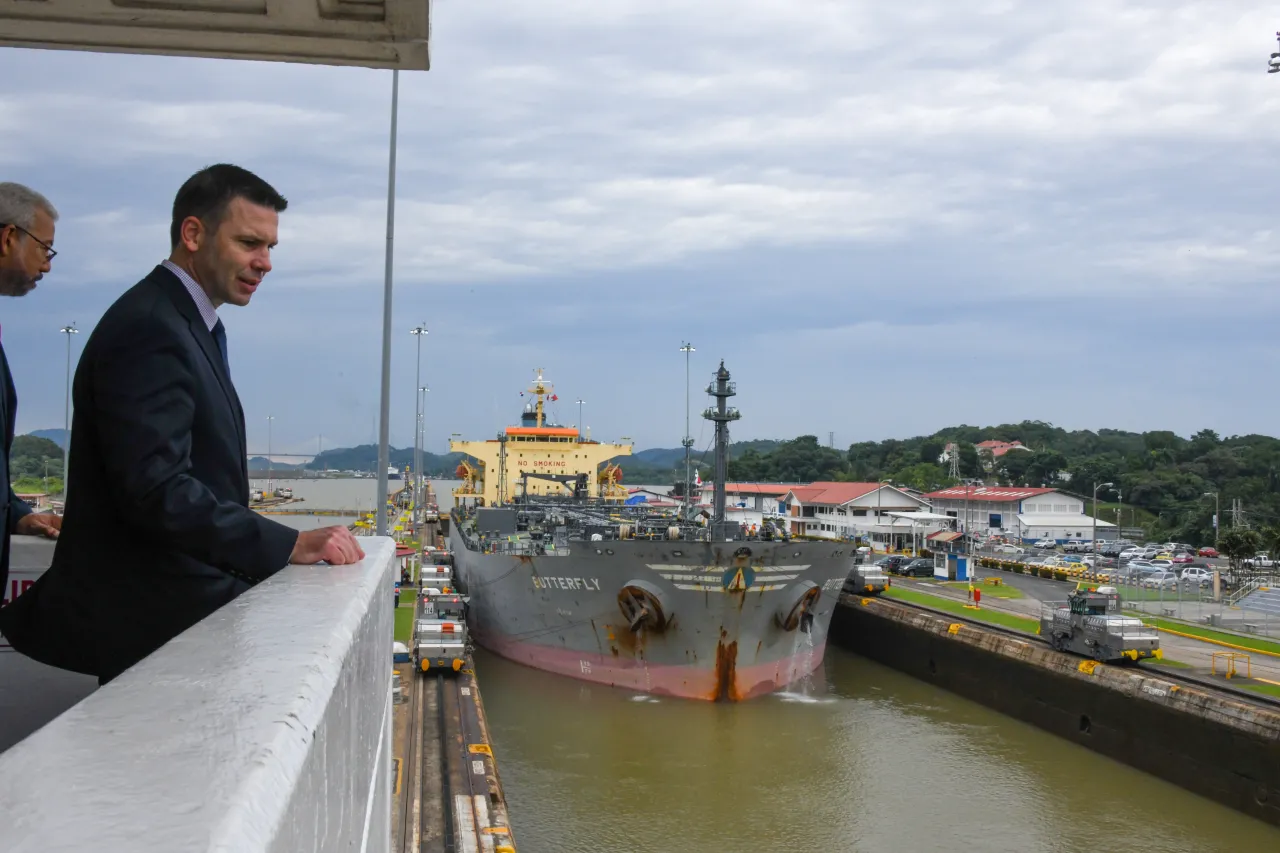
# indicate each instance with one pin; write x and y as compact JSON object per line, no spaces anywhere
{"x":157,"y":532}
{"x":13,"y":509}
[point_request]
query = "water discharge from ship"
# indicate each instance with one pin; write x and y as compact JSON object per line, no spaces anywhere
{"x":800,"y":680}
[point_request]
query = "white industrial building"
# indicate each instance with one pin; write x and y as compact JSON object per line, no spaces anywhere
{"x":1019,"y":512}
{"x":885,"y":516}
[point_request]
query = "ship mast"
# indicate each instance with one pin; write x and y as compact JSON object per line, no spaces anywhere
{"x":540,"y":388}
{"x":721,"y":414}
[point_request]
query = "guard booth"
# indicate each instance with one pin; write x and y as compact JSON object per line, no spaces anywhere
{"x":953,"y":567}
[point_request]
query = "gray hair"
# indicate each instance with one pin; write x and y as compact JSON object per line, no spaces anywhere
{"x":18,"y":206}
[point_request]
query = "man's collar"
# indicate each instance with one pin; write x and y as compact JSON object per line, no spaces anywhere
{"x":204,"y":305}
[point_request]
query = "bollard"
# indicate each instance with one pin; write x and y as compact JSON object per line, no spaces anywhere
{"x":977,"y":597}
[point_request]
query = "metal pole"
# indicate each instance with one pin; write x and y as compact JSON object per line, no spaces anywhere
{"x":415,"y":485}
{"x":66,"y":429}
{"x":270,"y":418}
{"x":422,"y":444}
{"x":384,"y":427}
{"x":687,"y":348}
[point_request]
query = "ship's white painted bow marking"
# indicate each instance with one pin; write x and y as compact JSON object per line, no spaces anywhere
{"x":710,"y":578}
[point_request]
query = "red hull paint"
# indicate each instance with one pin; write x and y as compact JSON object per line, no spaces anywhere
{"x":685,"y":682}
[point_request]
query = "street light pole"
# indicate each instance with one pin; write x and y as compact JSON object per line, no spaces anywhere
{"x":1217,"y":522}
{"x":384,"y":427}
{"x":1097,"y":486}
{"x":66,"y":430}
{"x":687,"y":349}
{"x":270,"y":418}
{"x":415,"y":485}
{"x":422,"y":443}
{"x":580,"y":402}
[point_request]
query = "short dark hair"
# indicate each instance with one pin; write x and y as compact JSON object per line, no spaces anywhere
{"x":206,"y":194}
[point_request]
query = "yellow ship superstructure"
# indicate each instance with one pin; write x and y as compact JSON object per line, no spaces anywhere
{"x":493,"y":470}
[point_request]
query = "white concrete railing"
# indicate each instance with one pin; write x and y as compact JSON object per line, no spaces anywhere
{"x":266,"y":727}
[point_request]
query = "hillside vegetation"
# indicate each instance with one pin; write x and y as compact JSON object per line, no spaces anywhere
{"x":1162,"y":474}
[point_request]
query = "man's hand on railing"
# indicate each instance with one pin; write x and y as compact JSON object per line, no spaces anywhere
{"x":44,"y":524}
{"x":333,"y":545}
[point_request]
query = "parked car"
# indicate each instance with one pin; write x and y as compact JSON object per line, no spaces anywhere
{"x":1197,"y":575}
{"x":892,"y":563}
{"x":1160,"y":580}
{"x":1046,"y":543}
{"x":920,"y":568}
{"x":1009,"y":549}
{"x":1075,"y":546}
{"x":1260,"y":561}
{"x":1209,"y":551}
{"x":1182,"y":558}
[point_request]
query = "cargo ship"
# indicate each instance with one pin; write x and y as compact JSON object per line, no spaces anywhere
{"x":562,"y":575}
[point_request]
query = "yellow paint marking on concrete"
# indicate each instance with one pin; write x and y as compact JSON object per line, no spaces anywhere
{"x":1088,"y":666}
{"x":953,"y":628}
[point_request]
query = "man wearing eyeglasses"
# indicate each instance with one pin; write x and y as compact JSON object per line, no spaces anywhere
{"x":26,"y":250}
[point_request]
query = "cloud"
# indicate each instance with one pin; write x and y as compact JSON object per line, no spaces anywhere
{"x":579,"y":181}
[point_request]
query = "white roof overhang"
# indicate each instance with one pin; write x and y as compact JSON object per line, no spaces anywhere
{"x":369,"y":33}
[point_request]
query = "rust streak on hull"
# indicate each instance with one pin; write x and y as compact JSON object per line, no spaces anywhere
{"x":726,"y":672}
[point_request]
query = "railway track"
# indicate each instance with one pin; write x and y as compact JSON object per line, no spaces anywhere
{"x":1257,"y":699}
{"x":451,"y":800}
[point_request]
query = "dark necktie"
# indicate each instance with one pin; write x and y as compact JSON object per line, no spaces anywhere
{"x":220,"y":337}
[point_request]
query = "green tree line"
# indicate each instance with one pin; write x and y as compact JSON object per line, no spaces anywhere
{"x":1160,"y":472}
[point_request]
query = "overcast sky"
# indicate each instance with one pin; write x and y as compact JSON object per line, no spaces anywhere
{"x":885,"y":218}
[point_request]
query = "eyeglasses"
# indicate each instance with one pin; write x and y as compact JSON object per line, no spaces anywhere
{"x":49,"y":252}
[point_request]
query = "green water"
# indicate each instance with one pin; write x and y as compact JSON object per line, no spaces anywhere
{"x":860,"y":759}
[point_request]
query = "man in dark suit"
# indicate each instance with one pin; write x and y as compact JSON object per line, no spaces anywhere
{"x":26,"y":254}
{"x":157,"y":532}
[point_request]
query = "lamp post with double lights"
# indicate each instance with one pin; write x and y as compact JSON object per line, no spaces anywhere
{"x":687,"y":349}
{"x":581,"y":402}
{"x":66,"y":434}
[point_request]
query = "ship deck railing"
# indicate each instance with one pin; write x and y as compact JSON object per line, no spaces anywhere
{"x":264,"y":727}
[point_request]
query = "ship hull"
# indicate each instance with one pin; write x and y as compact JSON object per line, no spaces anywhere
{"x":724,"y":633}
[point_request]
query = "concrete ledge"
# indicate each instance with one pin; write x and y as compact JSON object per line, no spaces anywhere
{"x":264,"y":728}
{"x":1206,"y":742}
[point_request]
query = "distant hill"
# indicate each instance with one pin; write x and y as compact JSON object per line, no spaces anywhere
{"x":365,"y":458}
{"x":59,"y":436}
{"x":669,"y":457}
{"x":259,"y":463}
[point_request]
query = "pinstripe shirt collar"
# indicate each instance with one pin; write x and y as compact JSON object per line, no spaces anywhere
{"x":207,"y":312}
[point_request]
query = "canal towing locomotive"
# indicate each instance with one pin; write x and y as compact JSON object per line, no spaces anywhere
{"x":440,"y":637}
{"x":1090,"y":623}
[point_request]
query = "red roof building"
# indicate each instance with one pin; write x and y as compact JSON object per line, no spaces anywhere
{"x":831,"y":510}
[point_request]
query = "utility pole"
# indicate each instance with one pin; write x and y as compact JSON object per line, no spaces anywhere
{"x":66,"y":433}
{"x":687,"y":441}
{"x":581,"y":402}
